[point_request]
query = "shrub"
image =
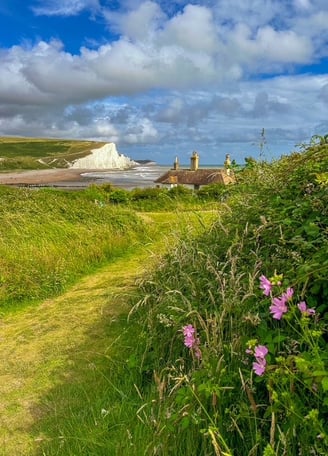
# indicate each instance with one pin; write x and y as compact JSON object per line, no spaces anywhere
{"x":180,"y":190}
{"x":213,"y":191}
{"x":152,"y":193}
{"x":119,"y":196}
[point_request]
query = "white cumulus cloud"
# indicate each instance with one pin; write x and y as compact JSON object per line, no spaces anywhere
{"x":64,"y":7}
{"x":168,"y":72}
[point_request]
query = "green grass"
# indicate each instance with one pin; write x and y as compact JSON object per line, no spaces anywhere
{"x":69,"y":353}
{"x":34,"y":153}
{"x":103,"y":368}
{"x":160,"y":199}
{"x":274,"y":220}
{"x":48,"y":239}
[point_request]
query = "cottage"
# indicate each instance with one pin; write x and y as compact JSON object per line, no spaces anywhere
{"x":195,"y":176}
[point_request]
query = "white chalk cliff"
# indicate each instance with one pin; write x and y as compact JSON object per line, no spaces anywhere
{"x":106,"y":157}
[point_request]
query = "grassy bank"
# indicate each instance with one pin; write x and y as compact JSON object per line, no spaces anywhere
{"x":227,"y":367}
{"x":48,"y":239}
{"x":162,"y":199}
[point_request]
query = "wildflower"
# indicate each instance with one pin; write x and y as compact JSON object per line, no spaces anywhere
{"x":261,"y":351}
{"x":304,"y":309}
{"x":278,"y":307}
{"x":289,"y":294}
{"x":191,"y":341}
{"x":266,"y":285}
{"x":189,"y":333}
{"x":259,"y":366}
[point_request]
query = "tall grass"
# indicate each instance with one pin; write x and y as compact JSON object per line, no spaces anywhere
{"x":160,"y":199}
{"x":148,"y":393}
{"x":50,"y":238}
{"x":274,"y":222}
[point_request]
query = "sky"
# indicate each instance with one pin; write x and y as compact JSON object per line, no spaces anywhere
{"x":164,"y":78}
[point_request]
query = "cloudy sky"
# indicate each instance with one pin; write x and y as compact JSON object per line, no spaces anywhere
{"x":164,"y":78}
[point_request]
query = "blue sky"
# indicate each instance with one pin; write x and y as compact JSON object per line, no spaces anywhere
{"x":165,"y":78}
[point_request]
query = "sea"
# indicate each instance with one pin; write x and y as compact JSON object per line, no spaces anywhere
{"x":142,"y":176}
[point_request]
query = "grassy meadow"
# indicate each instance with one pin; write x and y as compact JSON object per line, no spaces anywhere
{"x":37,"y":153}
{"x":168,"y":323}
{"x":49,"y":239}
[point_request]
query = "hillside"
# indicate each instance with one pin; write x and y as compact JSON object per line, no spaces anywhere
{"x":37,"y":153}
{"x":234,"y":324}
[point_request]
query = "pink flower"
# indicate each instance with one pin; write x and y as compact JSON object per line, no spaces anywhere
{"x":289,"y":294}
{"x":265,"y":285}
{"x":259,"y":366}
{"x":189,"y":333}
{"x":304,"y":309}
{"x":191,"y":341}
{"x":278,"y":307}
{"x":188,"y":330}
{"x":261,"y":351}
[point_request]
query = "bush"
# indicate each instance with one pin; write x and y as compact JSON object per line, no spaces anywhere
{"x":118,"y":196}
{"x":107,"y":193}
{"x":151,"y":193}
{"x":217,"y":192}
{"x":179,"y":191}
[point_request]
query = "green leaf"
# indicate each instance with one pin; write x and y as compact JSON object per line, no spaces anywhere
{"x":311,"y":229}
{"x":185,"y":422}
{"x":320,"y":373}
{"x":324,"y":383}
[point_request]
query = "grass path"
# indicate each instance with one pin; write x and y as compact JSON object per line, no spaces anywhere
{"x":54,"y":343}
{"x":39,"y":342}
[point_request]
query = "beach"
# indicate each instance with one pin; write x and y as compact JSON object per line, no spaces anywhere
{"x":43,"y":176}
{"x":141,"y":176}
